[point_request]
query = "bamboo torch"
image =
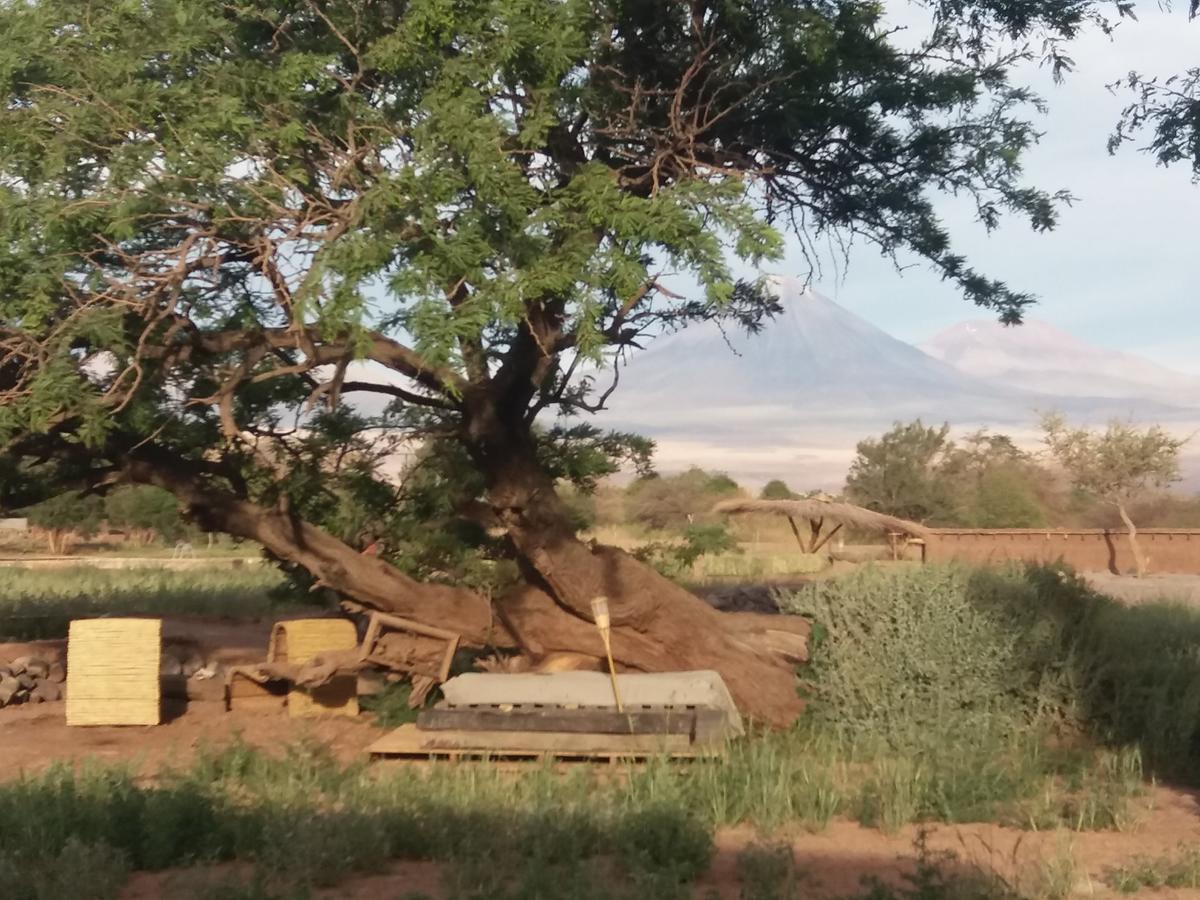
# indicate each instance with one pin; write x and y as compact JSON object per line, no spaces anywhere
{"x":600,"y":617}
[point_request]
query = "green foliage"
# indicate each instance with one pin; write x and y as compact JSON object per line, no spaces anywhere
{"x":775,"y":489}
{"x":145,"y":508}
{"x":1165,"y":108}
{"x":676,"y":559}
{"x":233,"y":206}
{"x":391,"y":706}
{"x":1117,"y":464}
{"x":22,"y":485}
{"x":937,"y":658}
{"x":676,"y":501}
{"x":75,"y":870}
{"x":916,"y":472}
{"x":1004,"y":499}
{"x":769,"y":872}
{"x":1180,"y":869}
{"x":71,"y":511}
{"x":38,"y":604}
{"x":939,"y":876}
{"x":906,"y":653}
{"x":897,"y":473}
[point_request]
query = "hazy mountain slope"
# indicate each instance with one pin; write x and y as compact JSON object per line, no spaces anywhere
{"x":817,"y":365}
{"x":794,"y":399}
{"x":1039,"y":357}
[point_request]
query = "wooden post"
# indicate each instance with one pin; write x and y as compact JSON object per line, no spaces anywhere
{"x":825,"y":540}
{"x":600,"y":616}
{"x":796,"y":532}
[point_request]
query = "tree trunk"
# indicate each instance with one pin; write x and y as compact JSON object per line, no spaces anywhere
{"x":657,"y":625}
{"x":1139,"y":559}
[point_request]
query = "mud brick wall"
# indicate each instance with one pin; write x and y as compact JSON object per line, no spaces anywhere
{"x":1087,"y":550}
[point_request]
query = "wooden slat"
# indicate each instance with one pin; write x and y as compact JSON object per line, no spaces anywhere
{"x":409,"y":741}
{"x":695,"y":723}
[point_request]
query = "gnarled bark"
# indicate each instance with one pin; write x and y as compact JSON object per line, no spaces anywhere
{"x":657,"y":626}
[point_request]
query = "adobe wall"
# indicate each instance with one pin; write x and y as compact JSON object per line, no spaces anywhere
{"x":1087,"y":550}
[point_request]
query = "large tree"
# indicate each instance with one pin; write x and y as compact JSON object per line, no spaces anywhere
{"x":218,"y":219}
{"x":900,"y":473}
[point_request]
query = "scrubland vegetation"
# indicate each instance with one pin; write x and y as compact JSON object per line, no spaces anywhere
{"x":935,"y":695}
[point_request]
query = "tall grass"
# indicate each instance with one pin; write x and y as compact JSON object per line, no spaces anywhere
{"x":40,"y":603}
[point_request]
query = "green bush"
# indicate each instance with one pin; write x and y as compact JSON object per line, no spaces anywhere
{"x":947,"y":659}
{"x":906,"y":657}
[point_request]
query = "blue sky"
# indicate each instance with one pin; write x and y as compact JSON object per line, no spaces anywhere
{"x":1120,"y":271}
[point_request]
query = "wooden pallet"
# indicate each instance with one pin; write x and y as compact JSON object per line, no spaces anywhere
{"x":410,"y":742}
{"x":700,"y":725}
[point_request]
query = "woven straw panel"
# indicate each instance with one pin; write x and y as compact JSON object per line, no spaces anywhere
{"x":113,"y":672}
{"x":298,"y":641}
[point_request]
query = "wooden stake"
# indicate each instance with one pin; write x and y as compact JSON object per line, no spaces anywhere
{"x":796,"y":532}
{"x":600,"y":616}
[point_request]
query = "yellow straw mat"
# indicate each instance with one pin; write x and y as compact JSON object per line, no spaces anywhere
{"x":298,"y":641}
{"x":113,"y":672}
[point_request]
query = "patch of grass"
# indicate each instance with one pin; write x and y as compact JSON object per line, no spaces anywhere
{"x":390,"y":705}
{"x":256,"y":887}
{"x":940,"y":876}
{"x":936,"y":695}
{"x":73,"y":871}
{"x":769,"y":872}
{"x":919,"y":660}
{"x":40,"y":603}
{"x":305,"y":822}
{"x":755,"y":565}
{"x":1176,"y":870}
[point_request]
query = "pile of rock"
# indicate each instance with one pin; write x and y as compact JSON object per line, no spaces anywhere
{"x":30,"y":679}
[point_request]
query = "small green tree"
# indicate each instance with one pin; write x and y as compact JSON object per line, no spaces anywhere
{"x":776,"y":489}
{"x":677,"y":501}
{"x":898,"y":473}
{"x":1116,"y":465}
{"x":993,"y":483}
{"x":64,"y":517}
{"x":1004,"y":499}
{"x":145,"y":512}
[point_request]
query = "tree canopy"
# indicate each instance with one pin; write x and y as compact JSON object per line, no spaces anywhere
{"x":211,"y":212}
{"x":218,"y":221}
{"x":898,"y":473}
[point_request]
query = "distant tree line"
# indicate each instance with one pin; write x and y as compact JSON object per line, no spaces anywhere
{"x":1110,"y":478}
{"x":143,"y":513}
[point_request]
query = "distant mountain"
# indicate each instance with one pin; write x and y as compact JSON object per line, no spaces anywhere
{"x":794,"y":399}
{"x":1039,"y":357}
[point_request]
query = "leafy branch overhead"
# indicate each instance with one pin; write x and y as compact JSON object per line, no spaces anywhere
{"x":225,"y":198}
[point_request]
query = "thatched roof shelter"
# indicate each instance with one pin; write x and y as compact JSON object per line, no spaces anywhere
{"x":820,"y":513}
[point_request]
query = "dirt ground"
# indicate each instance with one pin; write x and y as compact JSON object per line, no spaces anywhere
{"x":1169,"y":587}
{"x":834,"y":861}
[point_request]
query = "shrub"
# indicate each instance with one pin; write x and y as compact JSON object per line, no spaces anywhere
{"x":945,"y":657}
{"x":912,"y":656}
